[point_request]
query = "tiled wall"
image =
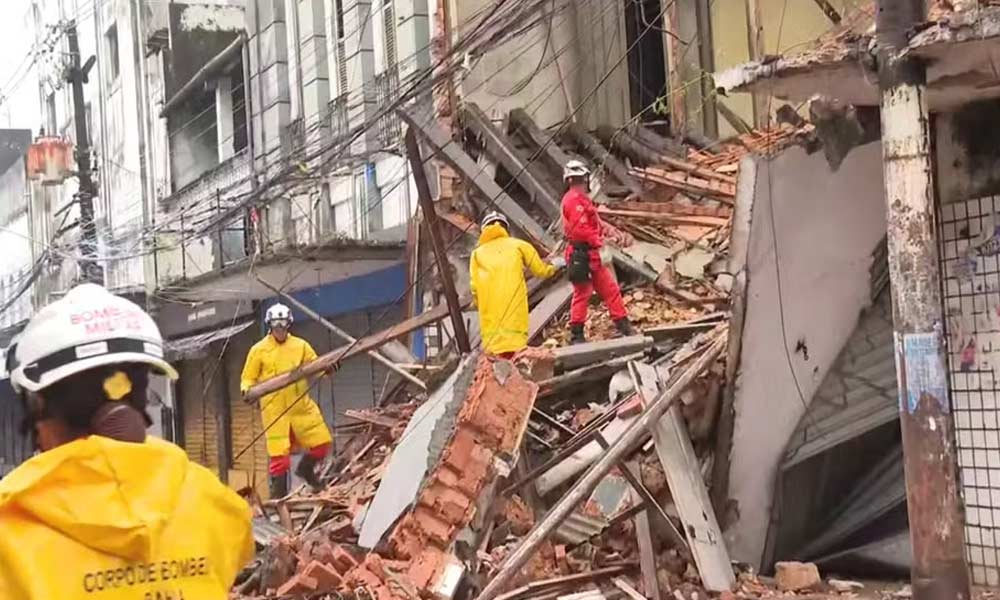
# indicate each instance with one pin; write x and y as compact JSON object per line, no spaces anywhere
{"x":970,"y":252}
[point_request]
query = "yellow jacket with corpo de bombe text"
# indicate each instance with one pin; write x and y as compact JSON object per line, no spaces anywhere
{"x":99,"y":519}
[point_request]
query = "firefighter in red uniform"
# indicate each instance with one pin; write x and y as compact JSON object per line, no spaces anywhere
{"x":587,"y":272}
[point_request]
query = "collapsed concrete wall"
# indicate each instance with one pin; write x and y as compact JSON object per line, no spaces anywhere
{"x":812,"y":234}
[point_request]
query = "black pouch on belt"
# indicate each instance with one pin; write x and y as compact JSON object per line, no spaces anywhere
{"x":578,"y":268}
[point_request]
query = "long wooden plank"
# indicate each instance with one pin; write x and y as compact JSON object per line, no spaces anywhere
{"x":554,"y":302}
{"x":531,"y":132}
{"x":363,"y":345}
{"x":603,"y":157}
{"x":680,"y":464}
{"x":524,"y":172}
{"x":438,"y":139}
{"x":666,"y":217}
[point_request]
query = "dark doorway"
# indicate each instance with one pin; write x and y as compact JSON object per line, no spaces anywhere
{"x":646,"y":62}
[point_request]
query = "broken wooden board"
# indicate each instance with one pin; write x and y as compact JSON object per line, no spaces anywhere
{"x":673,"y":447}
{"x":554,"y":302}
{"x":702,"y":221}
{"x":688,"y":183}
{"x":524,"y":170}
{"x":451,"y":152}
{"x":580,"y":355}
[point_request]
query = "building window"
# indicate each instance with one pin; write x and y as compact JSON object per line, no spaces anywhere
{"x":111,"y":42}
{"x":389,"y":27}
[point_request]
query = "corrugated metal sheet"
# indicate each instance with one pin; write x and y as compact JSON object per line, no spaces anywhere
{"x":859,"y":392}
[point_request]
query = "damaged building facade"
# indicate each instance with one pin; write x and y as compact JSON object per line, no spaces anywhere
{"x":814,"y":492}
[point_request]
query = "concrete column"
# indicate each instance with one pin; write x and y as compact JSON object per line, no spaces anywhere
{"x":413,"y":36}
{"x":360,"y":58}
{"x":315,"y":67}
{"x":268,"y":41}
{"x":224,"y":118}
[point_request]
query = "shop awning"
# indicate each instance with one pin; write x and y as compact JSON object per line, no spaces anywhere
{"x":197,"y":345}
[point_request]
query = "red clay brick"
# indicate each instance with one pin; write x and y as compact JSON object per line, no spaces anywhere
{"x":343,"y":560}
{"x":300,"y":584}
{"x":327,"y":578}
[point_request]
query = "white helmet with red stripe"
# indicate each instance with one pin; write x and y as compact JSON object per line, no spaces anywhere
{"x":575,"y":168}
{"x":89,"y":327}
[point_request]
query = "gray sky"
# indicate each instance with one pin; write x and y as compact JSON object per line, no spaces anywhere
{"x":21,"y":109}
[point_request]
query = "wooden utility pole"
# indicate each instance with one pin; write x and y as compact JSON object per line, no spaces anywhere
{"x":939,"y":569}
{"x":430,"y":217}
{"x":77,"y":76}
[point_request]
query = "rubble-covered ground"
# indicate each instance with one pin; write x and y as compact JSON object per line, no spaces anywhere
{"x":435,"y":494}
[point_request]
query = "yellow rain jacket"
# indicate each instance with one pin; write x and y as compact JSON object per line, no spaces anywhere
{"x":99,"y":519}
{"x":496,"y":272}
{"x":268,"y":359}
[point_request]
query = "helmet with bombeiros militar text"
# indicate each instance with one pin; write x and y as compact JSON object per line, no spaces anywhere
{"x":88,"y":328}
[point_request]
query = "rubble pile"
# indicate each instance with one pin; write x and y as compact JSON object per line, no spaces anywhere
{"x":441,"y":493}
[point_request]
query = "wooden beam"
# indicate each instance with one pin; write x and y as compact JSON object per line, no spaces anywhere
{"x":687,"y":487}
{"x":828,"y":10}
{"x":523,"y":170}
{"x":666,"y":217}
{"x":647,"y":554}
{"x":582,"y":138}
{"x":440,"y":253}
{"x":706,"y":60}
{"x":452,"y":153}
{"x":675,"y":67}
{"x":551,"y":306}
{"x":363,"y":345}
{"x":529,"y":131}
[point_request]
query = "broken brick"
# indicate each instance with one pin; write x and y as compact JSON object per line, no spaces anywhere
{"x":343,"y":561}
{"x":299,"y":584}
{"x":327,"y":577}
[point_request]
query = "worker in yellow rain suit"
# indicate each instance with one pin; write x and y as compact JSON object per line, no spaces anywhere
{"x":103,"y":512}
{"x":496,"y":273}
{"x":288,"y":414}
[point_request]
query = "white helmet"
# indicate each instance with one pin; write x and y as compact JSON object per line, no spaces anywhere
{"x":575,"y":168}
{"x":89,"y":327}
{"x":495,"y":217}
{"x":278,"y":312}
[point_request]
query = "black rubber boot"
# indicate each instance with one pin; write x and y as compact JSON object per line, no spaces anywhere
{"x":307,"y":470}
{"x":576,"y":335}
{"x":279,"y":486}
{"x":625,"y":327}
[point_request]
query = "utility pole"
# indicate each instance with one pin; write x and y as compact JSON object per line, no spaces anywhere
{"x":90,"y":270}
{"x":937,"y":535}
{"x":430,"y":218}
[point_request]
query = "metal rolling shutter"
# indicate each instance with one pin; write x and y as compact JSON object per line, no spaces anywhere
{"x":251,"y":467}
{"x":200,"y":434}
{"x":857,"y":395}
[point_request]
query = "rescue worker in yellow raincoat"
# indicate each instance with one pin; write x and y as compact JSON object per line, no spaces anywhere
{"x":105,"y":512}
{"x":289,"y":414}
{"x":496,"y":273}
